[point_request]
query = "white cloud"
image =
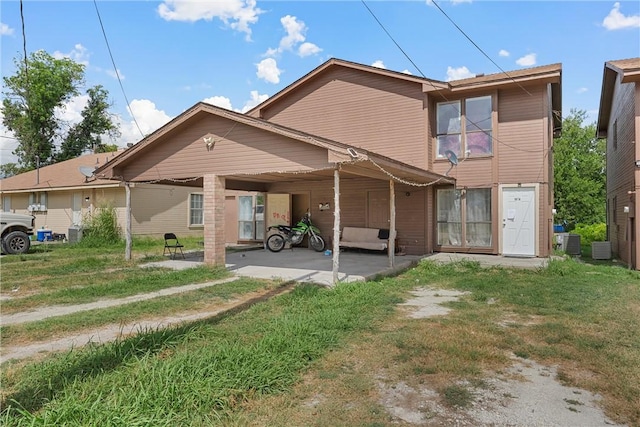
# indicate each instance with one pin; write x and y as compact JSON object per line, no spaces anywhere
{"x":378,"y":64}
{"x":236,"y":14}
{"x":408,"y":72}
{"x":78,"y":54}
{"x":114,"y":75}
{"x":295,"y":32}
{"x":256,"y":99}
{"x":460,"y":1}
{"x":219,"y":101}
{"x":308,"y":49}
{"x":149,"y":118}
{"x":268,"y":70}
{"x":527,"y":60}
{"x":71,"y":111}
{"x":615,"y":20}
{"x":295,"y":36}
{"x":503,"y":52}
{"x":7,"y":143}
{"x":5,"y":30}
{"x":458,"y":73}
{"x":582,"y":90}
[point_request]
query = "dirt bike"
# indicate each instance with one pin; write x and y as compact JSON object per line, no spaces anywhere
{"x":294,"y":235}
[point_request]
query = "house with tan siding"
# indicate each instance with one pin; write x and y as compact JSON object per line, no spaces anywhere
{"x":619,"y":123}
{"x":64,"y":195}
{"x":462,"y":166}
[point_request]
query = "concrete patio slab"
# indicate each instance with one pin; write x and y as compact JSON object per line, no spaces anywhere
{"x":305,"y":265}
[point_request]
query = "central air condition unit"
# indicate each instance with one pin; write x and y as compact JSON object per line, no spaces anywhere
{"x":573,"y":245}
{"x":75,"y":234}
{"x":601,"y":250}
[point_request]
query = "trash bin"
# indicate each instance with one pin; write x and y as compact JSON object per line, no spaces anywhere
{"x":44,"y":235}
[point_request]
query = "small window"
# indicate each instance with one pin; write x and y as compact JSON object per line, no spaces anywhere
{"x":37,"y":202}
{"x":196,"y":209}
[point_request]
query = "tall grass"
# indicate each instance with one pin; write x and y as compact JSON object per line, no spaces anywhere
{"x":193,"y":375}
{"x":101,"y":227}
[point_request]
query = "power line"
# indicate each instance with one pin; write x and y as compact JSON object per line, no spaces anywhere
{"x":115,"y":69}
{"x":478,"y":47}
{"x":439,"y":91}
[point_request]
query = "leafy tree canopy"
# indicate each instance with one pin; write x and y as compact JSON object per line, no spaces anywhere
{"x":31,"y":99}
{"x":579,"y":172}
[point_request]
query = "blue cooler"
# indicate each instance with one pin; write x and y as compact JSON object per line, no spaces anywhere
{"x":43,"y":235}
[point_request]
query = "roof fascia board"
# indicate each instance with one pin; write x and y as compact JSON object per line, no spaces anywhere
{"x":606,"y":98}
{"x":71,"y":188}
{"x":540,"y":79}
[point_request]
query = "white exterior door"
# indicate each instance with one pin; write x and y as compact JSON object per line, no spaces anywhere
{"x":519,"y":219}
{"x":76,"y":209}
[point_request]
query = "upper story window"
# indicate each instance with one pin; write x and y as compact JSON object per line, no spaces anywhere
{"x":464,"y":127}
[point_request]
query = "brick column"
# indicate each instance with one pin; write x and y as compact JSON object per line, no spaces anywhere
{"x":214,"y":236}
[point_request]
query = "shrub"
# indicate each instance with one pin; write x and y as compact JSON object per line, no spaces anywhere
{"x":102,"y":227}
{"x":591,"y":233}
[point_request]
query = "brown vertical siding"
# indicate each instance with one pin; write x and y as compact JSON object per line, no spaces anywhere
{"x":411,"y":216}
{"x":620,"y":165}
{"x":365,"y":110}
{"x":238,"y":149}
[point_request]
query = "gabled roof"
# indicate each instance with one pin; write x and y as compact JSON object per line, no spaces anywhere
{"x":629,"y":71}
{"x":368,"y":162}
{"x":60,"y":176}
{"x":334,"y":62}
{"x":551,"y":72}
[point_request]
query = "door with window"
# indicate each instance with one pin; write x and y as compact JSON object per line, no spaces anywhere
{"x":519,"y":221}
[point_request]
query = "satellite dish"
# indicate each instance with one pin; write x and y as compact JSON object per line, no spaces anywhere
{"x":451,"y":156}
{"x":453,"y":159}
{"x":87,"y":171}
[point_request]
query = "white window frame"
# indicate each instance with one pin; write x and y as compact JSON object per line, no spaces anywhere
{"x":193,"y":210}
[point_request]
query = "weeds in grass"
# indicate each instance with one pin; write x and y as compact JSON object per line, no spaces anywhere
{"x":457,"y":396}
{"x":245,"y":369}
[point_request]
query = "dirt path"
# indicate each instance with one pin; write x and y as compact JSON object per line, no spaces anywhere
{"x":114,"y":331}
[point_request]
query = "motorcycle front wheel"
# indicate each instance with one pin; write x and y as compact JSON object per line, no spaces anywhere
{"x":316,"y":242}
{"x":275,"y":243}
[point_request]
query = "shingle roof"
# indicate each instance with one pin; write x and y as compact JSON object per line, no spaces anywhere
{"x":60,"y":175}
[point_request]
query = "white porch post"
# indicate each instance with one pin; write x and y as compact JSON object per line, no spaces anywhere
{"x":336,"y":224}
{"x":214,"y":232}
{"x":392,"y":225}
{"x":127,"y":222}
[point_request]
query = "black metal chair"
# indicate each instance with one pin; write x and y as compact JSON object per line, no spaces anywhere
{"x":172,"y":246}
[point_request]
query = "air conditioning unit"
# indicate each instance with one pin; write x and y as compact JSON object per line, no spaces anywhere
{"x":573,"y":245}
{"x":601,"y":250}
{"x":75,"y":234}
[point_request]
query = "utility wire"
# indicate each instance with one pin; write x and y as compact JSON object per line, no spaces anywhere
{"x":478,"y":47}
{"x":115,"y":69}
{"x":438,"y":90}
{"x":24,"y":46}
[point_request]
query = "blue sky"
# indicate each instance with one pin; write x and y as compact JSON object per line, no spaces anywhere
{"x":236,"y":53}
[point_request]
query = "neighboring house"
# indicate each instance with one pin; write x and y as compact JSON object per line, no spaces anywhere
{"x":381,"y":145}
{"x":619,"y":123}
{"x":64,"y":195}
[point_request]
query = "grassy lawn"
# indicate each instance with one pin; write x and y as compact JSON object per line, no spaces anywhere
{"x":316,"y":356}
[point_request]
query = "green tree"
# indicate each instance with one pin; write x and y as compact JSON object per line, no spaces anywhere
{"x":30,"y":101}
{"x":9,"y":169}
{"x":96,"y":121}
{"x":579,"y":172}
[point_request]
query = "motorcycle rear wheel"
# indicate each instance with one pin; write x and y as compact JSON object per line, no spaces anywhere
{"x":317,"y":243}
{"x":275,"y":243}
